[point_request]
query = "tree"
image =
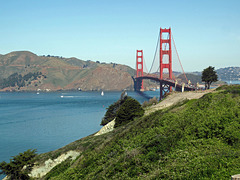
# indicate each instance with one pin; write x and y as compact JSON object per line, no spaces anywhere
{"x":209,"y":76}
{"x":20,"y":166}
{"x":111,"y":113}
{"x":129,"y":110}
{"x":113,"y":109}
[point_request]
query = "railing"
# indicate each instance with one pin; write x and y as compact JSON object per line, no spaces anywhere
{"x":171,"y":81}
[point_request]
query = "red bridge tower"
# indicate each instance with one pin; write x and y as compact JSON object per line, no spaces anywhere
{"x":165,"y":51}
{"x":139,"y":60}
{"x":165,"y":58}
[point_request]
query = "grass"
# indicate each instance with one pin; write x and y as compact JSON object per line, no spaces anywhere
{"x":196,"y":139}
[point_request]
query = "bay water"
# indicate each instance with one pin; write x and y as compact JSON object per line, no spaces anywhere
{"x":48,"y":121}
{"x":232,"y":82}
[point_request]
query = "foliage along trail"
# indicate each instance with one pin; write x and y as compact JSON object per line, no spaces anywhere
{"x":194,"y":139}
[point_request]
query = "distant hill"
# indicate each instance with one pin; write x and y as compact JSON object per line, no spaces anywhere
{"x":229,"y":73}
{"x":192,"y":77}
{"x":224,"y":74}
{"x":23,"y":70}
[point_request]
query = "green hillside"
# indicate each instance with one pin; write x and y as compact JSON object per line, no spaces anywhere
{"x":196,"y":139}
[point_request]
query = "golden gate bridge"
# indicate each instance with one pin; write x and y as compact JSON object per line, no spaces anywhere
{"x":164,"y":74}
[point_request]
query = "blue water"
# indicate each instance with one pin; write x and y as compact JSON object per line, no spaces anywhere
{"x":233,"y":82}
{"x":48,"y":121}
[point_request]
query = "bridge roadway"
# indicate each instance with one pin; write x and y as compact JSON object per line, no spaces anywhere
{"x":168,"y":82}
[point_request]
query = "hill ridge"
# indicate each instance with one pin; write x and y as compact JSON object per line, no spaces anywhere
{"x":64,"y":73}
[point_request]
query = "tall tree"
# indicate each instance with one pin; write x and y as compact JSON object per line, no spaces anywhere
{"x":209,"y":76}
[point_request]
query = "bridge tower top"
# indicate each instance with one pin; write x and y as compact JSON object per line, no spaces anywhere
{"x":165,"y":52}
{"x":139,"y":65}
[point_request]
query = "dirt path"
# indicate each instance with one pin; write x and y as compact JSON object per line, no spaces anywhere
{"x":176,"y":97}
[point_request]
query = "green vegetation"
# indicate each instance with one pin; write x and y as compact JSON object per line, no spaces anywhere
{"x":19,"y":166}
{"x":60,"y":168}
{"x":124,"y":110}
{"x":129,"y":110}
{"x":19,"y":80}
{"x":234,"y":89}
{"x":151,"y":102}
{"x":196,"y":139}
{"x":209,"y":76}
{"x":110,"y":114}
{"x":112,"y":110}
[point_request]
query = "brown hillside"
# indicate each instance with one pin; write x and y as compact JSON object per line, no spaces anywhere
{"x":64,"y":73}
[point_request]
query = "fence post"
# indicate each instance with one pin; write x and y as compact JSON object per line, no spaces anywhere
{"x":183,"y":84}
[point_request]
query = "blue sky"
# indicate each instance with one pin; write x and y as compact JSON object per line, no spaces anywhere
{"x":206,"y":32}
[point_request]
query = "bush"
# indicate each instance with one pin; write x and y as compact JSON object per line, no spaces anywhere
{"x":19,"y":166}
{"x":113,"y":109}
{"x":130,"y":109}
{"x":234,"y":89}
{"x":145,"y":104}
{"x":110,"y":114}
{"x":151,"y":102}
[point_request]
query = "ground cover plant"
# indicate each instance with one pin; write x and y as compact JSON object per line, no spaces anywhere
{"x":196,"y":139}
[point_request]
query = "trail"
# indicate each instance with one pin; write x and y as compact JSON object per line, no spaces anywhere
{"x":176,"y":97}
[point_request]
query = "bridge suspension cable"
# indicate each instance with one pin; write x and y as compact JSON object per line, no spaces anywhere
{"x":144,"y":66}
{"x":179,"y":59}
{"x":157,"y":53}
{"x":156,"y":50}
{"x":165,"y":53}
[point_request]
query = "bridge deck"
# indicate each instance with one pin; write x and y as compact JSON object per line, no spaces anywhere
{"x":168,"y":82}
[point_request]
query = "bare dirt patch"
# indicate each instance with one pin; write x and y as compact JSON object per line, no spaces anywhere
{"x":176,"y":97}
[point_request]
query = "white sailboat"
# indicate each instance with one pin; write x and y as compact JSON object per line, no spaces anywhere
{"x":102,"y":93}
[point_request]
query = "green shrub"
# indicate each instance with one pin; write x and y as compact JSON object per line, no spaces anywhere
{"x":113,"y":109}
{"x":151,"y":102}
{"x":19,"y":166}
{"x":234,"y":89}
{"x":129,"y":110}
{"x":110,"y":114}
